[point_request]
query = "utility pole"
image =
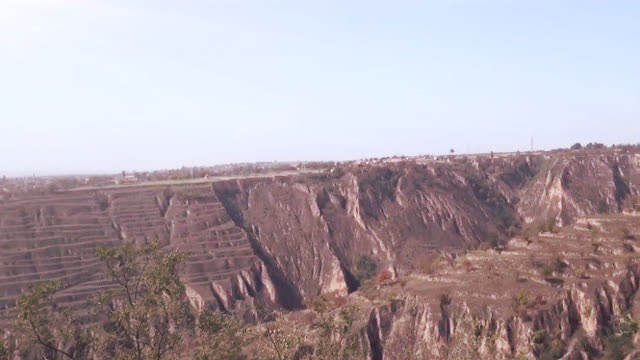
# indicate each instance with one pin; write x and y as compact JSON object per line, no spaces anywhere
{"x":532,"y":144}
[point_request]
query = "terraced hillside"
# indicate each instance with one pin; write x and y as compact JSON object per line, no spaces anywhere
{"x":55,"y":237}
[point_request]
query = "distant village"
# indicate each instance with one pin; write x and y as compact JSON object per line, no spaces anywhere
{"x":10,"y":187}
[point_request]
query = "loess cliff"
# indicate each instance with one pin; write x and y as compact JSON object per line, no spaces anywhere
{"x":452,"y":240}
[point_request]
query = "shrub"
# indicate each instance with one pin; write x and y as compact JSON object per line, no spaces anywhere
{"x":218,"y":337}
{"x":465,"y":341}
{"x":627,"y":234}
{"x":52,"y":188}
{"x":596,"y":146}
{"x":146,"y":315}
{"x":103,"y":201}
{"x":559,"y":265}
{"x":530,"y":232}
{"x":468,"y":266}
{"x":551,"y":225}
{"x":445,"y":299}
{"x":47,"y":327}
{"x":551,"y":346}
{"x":603,"y":207}
{"x":429,"y":264}
{"x":4,"y":350}
{"x":581,"y":274}
{"x":337,"y":337}
{"x":539,"y":226}
{"x":540,"y":337}
{"x":493,"y":239}
{"x":523,"y":298}
{"x":620,"y":343}
{"x":539,"y":300}
{"x":627,"y":326}
{"x":365,"y":268}
{"x":384,"y":276}
{"x":152,"y":295}
{"x":211,"y":322}
{"x":524,"y":315}
{"x":555,"y":281}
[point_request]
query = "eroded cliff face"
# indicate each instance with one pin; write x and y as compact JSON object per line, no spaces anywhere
{"x":579,"y":319}
{"x":279,"y":241}
{"x":313,"y":231}
{"x":576,"y":184}
{"x":557,"y":296}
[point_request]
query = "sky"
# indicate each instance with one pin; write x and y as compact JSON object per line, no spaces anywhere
{"x":100,"y":86}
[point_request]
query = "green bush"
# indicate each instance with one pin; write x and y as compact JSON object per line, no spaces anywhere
{"x":540,"y":337}
{"x":366,"y":268}
{"x":445,"y":299}
{"x":620,"y":343}
{"x":550,"y":346}
{"x":603,"y":207}
{"x":523,"y":298}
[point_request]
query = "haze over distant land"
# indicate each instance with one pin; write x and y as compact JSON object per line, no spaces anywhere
{"x":101,"y":86}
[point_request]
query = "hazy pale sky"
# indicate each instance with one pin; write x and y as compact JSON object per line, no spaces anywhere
{"x":107,"y":85}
